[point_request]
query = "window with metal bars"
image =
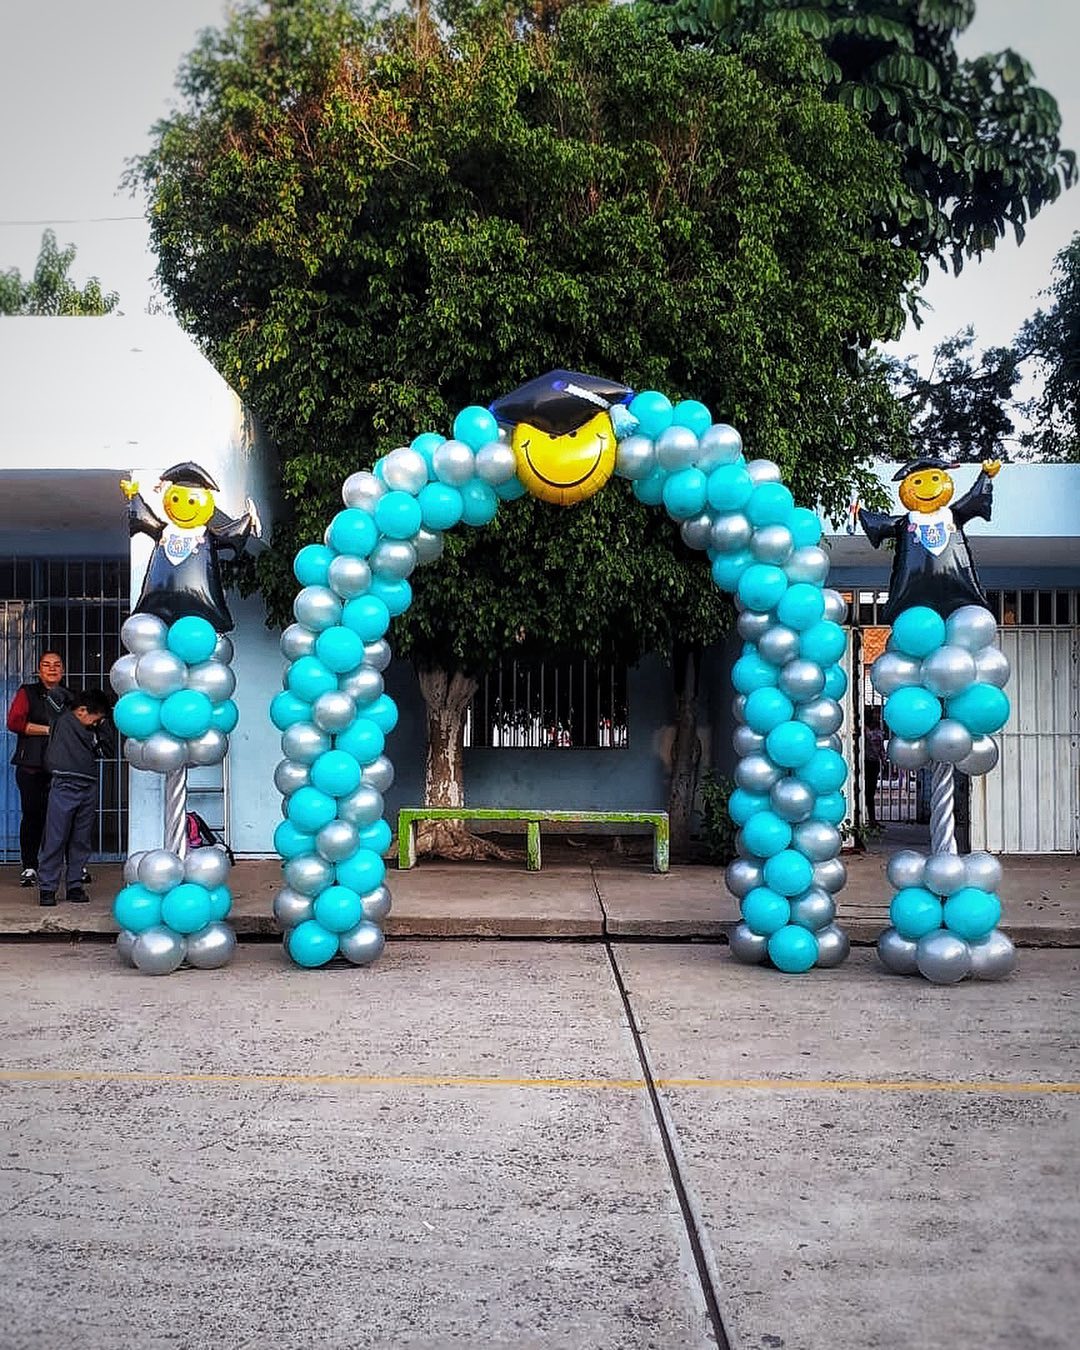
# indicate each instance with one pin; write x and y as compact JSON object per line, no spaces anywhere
{"x":1027,"y":608}
{"x":556,"y":705}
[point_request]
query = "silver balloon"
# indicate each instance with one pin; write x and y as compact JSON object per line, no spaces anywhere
{"x":676,"y":448}
{"x":211,"y":947}
{"x":304,"y":743}
{"x":131,"y":867}
{"x":808,"y":563}
{"x":907,"y":754}
{"x":376,"y":904}
{"x":949,"y":742}
{"x":429,"y":545}
{"x":308,"y":873}
{"x":830,"y":743}
{"x":756,"y":773}
{"x":223,"y":649}
{"x":943,"y":873}
{"x":158,"y":950}
{"x":814,"y":909}
{"x":349,"y":576}
{"x":720,"y":444}
{"x":363,"y":944}
{"x":160,"y":870}
{"x":738,"y":707}
{"x":333,"y":711}
{"x":993,"y":958}
{"x":635,"y":457}
{"x":363,"y":685}
{"x":362,"y":807}
{"x":992,"y":667}
{"x":833,"y":947}
{"x":362,"y":490}
{"x":405,"y":470}
{"x":981,"y":758}
{"x":290,"y":776}
{"x":823,"y":716}
{"x":778,"y":645}
{"x":377,"y":654}
{"x":896,"y":953}
{"x":802,"y":681}
{"x":454,"y":463}
{"x":160,"y":673}
{"x":125,"y":945}
{"x":905,"y":869}
{"x":791,"y":799}
{"x":122,"y":675}
{"x":830,"y":874}
{"x":983,"y":871}
{"x":162,"y":753}
{"x":393,"y":558}
{"x":749,"y":948}
{"x":379,"y":774}
{"x":816,"y":840}
{"x":836,"y":609}
{"x":697,"y":531}
{"x":763,"y":471}
{"x":495,"y":463}
{"x":948,"y":670}
{"x":741,"y":877}
{"x":337,"y":840}
{"x":211,"y":678}
{"x":753,"y":626}
{"x":943,"y":958}
{"x":207,"y":866}
{"x":209,"y":748}
{"x":292,"y":908}
{"x":971,"y":626}
{"x":297,"y":641}
{"x":731,"y":532}
{"x":892,"y":671}
{"x":143,"y":633}
{"x":317,"y":608}
{"x":747,"y":742}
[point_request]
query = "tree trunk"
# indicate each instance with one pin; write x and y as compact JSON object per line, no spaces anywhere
{"x":447,"y":695}
{"x":686,"y":747}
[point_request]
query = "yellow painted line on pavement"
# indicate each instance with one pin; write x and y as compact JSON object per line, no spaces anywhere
{"x":567,"y":1084}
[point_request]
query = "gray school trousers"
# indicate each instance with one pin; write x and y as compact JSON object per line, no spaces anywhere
{"x":69,"y":829}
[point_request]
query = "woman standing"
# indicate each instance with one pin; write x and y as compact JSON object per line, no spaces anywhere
{"x":35,"y":707}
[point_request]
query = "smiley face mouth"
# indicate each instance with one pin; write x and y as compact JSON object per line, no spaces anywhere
{"x":601,"y":440}
{"x":932,"y":498}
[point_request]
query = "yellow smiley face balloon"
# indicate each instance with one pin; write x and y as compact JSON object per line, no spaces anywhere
{"x":188,"y":507}
{"x":926,"y":490}
{"x":565,"y":469}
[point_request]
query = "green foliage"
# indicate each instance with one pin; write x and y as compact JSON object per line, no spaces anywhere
{"x":718,"y":830}
{"x":50,"y":290}
{"x":1052,"y":338}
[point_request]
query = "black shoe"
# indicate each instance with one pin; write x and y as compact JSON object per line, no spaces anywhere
{"x":28,"y":877}
{"x":77,"y":896}
{"x":86,"y":877}
{"x":47,"y":898}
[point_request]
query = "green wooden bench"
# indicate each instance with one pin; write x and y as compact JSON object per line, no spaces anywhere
{"x":409,"y":815}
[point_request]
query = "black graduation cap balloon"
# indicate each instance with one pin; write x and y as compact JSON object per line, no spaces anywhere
{"x":189,"y":474}
{"x":560,"y":401}
{"x":924,"y":462}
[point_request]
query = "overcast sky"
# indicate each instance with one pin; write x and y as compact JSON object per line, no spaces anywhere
{"x":84,"y":80}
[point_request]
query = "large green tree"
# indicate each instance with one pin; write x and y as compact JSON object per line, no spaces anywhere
{"x":51,"y":290}
{"x":1052,"y":338}
{"x":371,"y":224}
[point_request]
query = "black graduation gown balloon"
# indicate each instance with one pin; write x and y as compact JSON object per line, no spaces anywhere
{"x":932,"y":564}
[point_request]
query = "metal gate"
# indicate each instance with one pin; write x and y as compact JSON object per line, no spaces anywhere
{"x":76,"y":606}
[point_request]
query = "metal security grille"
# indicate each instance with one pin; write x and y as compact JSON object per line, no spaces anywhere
{"x":556,"y":705}
{"x":76,"y":606}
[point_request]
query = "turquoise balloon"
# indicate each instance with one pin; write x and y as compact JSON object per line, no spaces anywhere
{"x":825,"y":771}
{"x":383,"y":712}
{"x":688,"y":412}
{"x":729,"y":487}
{"x":727,"y":568}
{"x":805,"y":527}
{"x":363,"y":740}
{"x":751,"y":672}
{"x":353,"y":531}
{"x":287,"y":708}
{"x":793,"y":949}
{"x":801,"y":606}
{"x":308,"y":677}
{"x":767,"y":708}
{"x":290,"y":842}
{"x":918,"y":632}
{"x":137,"y":714}
{"x":366,"y":615}
{"x":220,"y":903}
{"x":426,"y":444}
{"x":440,"y":506}
{"x":650,"y":489}
{"x":311,"y":945}
{"x":982,"y":708}
{"x":653,"y":411}
{"x":914,"y":912}
{"x":761,"y":586}
{"x":790,"y":744}
{"x":912,"y":711}
{"x":475,"y":426}
{"x":742,"y":805}
{"x":394,"y":592}
{"x":377,"y":837}
{"x":511,"y":490}
{"x":765,"y":834}
{"x":479,"y":503}
{"x":684,"y":493}
{"x":830,"y":807}
{"x":225,"y":717}
{"x":789,"y":872}
{"x":137,"y":909}
{"x":339,"y":648}
{"x":186,"y":908}
{"x":309,"y":809}
{"x":824,"y":642}
{"x":971,"y":913}
{"x":336,"y":773}
{"x":192,"y":639}
{"x":362,"y":872}
{"x":836,"y":683}
{"x":311,"y":566}
{"x":770,"y":504}
{"x":764,"y":911}
{"x":187,"y":713}
{"x":338,"y":909}
{"x":397,"y":514}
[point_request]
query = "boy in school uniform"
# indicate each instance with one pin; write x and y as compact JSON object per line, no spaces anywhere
{"x":81,"y":737}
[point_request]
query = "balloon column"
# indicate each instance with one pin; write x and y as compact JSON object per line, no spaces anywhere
{"x":175,"y":709}
{"x":942,"y":678}
{"x":560,"y":437}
